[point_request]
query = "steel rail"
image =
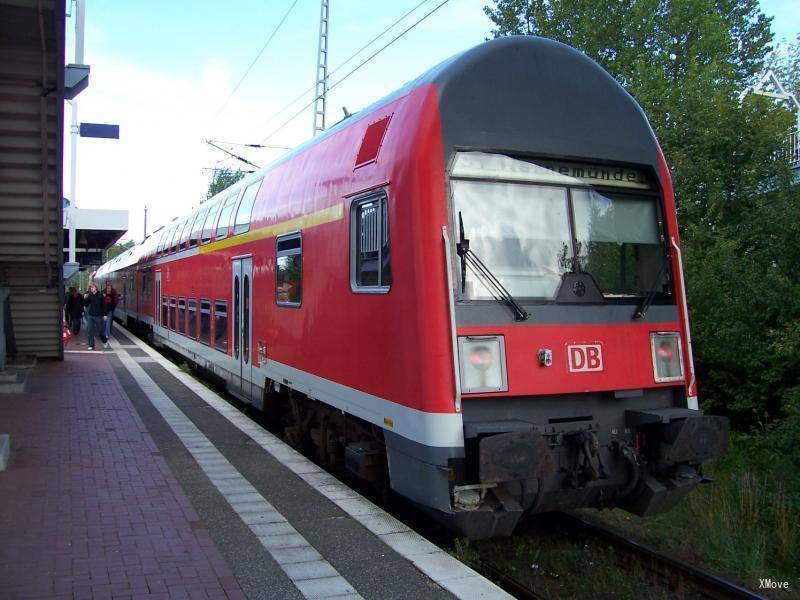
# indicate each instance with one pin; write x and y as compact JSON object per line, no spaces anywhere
{"x":663,"y":565}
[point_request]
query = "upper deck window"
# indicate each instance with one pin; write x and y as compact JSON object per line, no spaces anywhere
{"x":208,"y":223}
{"x":225,"y":216}
{"x":176,"y":236}
{"x":245,"y":210}
{"x":197,"y":227}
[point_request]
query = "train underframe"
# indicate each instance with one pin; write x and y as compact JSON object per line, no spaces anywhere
{"x":637,"y":450}
{"x":633,"y":450}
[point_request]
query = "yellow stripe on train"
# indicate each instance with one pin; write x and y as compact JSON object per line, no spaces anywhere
{"x":320,"y":217}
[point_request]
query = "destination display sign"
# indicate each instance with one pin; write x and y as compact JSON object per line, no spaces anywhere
{"x":481,"y":165}
{"x":598,"y":174}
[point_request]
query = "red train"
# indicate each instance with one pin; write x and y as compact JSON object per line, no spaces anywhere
{"x":470,"y":292}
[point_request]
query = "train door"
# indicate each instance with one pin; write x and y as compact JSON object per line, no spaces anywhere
{"x":242,"y":295}
{"x":157,"y":313}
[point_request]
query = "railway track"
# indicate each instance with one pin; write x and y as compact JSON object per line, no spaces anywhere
{"x":680,"y":579}
{"x":677,"y":576}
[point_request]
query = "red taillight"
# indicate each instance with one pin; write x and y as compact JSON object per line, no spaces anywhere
{"x":665,"y":352}
{"x":481,"y":358}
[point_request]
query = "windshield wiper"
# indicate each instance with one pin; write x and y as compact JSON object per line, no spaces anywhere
{"x":641,"y":310}
{"x":497,"y":289}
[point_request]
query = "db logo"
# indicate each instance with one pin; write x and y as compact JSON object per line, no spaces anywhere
{"x":585,"y":357}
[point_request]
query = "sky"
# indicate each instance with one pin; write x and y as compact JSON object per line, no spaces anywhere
{"x":171,"y":75}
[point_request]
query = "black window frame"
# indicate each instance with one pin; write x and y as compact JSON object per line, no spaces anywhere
{"x":384,"y":243}
{"x":290,"y":248}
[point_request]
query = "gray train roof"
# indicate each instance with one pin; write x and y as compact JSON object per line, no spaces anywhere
{"x":536,"y":96}
{"x":532,"y":96}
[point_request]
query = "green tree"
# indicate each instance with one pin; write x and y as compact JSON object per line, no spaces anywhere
{"x":221,"y":179}
{"x":117,"y":249}
{"x":686,"y":62}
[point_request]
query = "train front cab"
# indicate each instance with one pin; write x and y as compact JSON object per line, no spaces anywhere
{"x":572,"y":355}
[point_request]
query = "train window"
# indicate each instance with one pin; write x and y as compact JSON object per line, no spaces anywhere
{"x":181,"y":324}
{"x":163,"y":244}
{"x":191,"y":324}
{"x":245,"y":210}
{"x":205,"y":321}
{"x":619,"y":242}
{"x":370,"y":264}
{"x":225,"y":216}
{"x":526,"y":243}
{"x":176,"y":236}
{"x":221,"y":326}
{"x":208,"y":224}
{"x":164,"y":312}
{"x":172,"y":322}
{"x":197,"y":227}
{"x":187,"y":228}
{"x":289,"y":271}
{"x":160,"y":245}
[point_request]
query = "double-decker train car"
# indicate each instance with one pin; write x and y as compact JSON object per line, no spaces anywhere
{"x":470,"y":292}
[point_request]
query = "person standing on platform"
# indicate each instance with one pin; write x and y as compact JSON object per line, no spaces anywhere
{"x":96,"y":312}
{"x":74,"y":311}
{"x":111,"y":298}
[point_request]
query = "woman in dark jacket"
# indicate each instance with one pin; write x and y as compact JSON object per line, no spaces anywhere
{"x":95,"y":315}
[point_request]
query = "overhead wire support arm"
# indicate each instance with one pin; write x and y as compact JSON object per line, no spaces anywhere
{"x":236,"y":156}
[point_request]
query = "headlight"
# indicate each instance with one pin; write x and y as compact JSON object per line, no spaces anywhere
{"x":483,"y":364}
{"x":667,"y":356}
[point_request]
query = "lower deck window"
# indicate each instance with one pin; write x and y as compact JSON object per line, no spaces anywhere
{"x":205,"y":322}
{"x":172,"y":313}
{"x":181,"y":325}
{"x":191,"y":324}
{"x":221,"y":326}
{"x":164,"y":312}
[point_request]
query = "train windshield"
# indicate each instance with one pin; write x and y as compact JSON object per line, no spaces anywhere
{"x":529,"y":235}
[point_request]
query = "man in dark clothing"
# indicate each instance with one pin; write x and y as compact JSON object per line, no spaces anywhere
{"x":111,"y":298}
{"x":74,"y":311}
{"x":96,"y":314}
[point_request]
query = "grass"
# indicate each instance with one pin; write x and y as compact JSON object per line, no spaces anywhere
{"x":744,"y":525}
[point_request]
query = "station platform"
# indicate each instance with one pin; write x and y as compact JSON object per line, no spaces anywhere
{"x":128,"y":478}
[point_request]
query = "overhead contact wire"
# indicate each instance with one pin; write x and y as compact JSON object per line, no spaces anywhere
{"x":349,"y":59}
{"x":255,"y":60}
{"x":364,"y":62}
